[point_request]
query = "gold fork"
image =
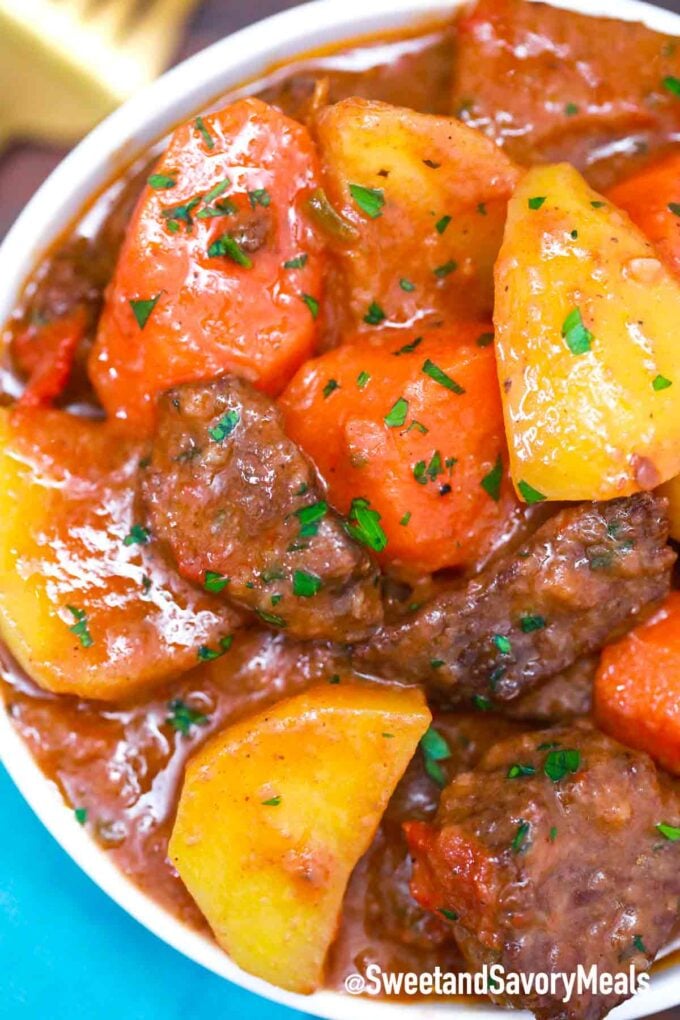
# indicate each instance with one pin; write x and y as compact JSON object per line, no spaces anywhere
{"x":65,"y":64}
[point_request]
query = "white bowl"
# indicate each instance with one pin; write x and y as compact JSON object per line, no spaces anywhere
{"x":112,"y":145}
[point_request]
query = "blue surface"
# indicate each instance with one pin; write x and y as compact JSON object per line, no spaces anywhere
{"x":67,"y":951}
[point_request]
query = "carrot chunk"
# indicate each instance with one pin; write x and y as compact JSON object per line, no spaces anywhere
{"x":637,"y":687}
{"x":220,"y":270}
{"x":652,"y":200}
{"x":411,"y":424}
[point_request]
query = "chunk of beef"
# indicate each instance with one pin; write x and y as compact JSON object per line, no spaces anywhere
{"x":561,"y":698}
{"x":583,"y":578}
{"x":547,"y":856}
{"x":539,"y":80}
{"x":241,"y":511}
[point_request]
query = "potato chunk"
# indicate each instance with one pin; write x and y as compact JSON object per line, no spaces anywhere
{"x":86,"y":605}
{"x":587,"y":344}
{"x":424,"y":200}
{"x":275,"y":812}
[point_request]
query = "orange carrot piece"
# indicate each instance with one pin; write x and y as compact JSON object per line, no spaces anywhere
{"x":637,"y":687}
{"x":220,"y":270}
{"x":652,"y":200}
{"x":412,"y":424}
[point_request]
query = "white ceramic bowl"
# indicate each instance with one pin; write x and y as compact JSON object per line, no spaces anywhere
{"x":112,"y":145}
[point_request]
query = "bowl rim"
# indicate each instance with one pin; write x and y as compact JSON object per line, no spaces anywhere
{"x":92,"y":165}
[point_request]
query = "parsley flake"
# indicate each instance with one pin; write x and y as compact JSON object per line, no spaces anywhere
{"x":491,"y":482}
{"x":435,"y":749}
{"x":375,"y":315}
{"x":518,"y":770}
{"x":160,"y":182}
{"x":485,"y":339}
{"x":442,"y":271}
{"x":370,"y":200}
{"x":260,"y":197}
{"x":272,"y":802}
{"x":571,"y":109}
{"x":502,"y":643}
{"x":561,"y":763}
{"x":214,"y":582}
{"x":208,"y":139}
{"x":142,"y":309}
{"x":440,"y":376}
{"x":137,"y":535}
{"x":363,"y":379}
{"x":519,"y":843}
{"x":310,"y":518}
{"x":450,"y":915}
{"x":405,"y":519}
{"x":397,"y":415}
{"x":311,"y":303}
{"x":363,"y":524}
{"x":330,"y":387}
{"x":406,"y":285}
{"x":271,"y":618}
{"x":660,"y":382}
{"x":442,"y":224}
{"x":537,"y":201}
{"x":578,"y":338}
{"x":229,"y":247}
{"x":299,"y":262}
{"x":674,"y":208}
{"x":305,"y":585}
{"x":672,"y":84}
{"x":207,"y":654}
{"x":409,"y":348}
{"x":530,"y":623}
{"x":183,"y":717}
{"x":81,"y":815}
{"x":80,"y":627}
{"x":225,"y":426}
{"x":670,"y":832}
{"x":529,"y":494}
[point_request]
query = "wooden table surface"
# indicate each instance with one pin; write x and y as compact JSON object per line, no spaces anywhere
{"x":23,"y":166}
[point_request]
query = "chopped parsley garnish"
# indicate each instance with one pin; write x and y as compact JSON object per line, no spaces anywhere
{"x":273,"y":801}
{"x":481,"y":703}
{"x":299,"y":262}
{"x":529,"y":494}
{"x":485,"y":339}
{"x":159,"y":182}
{"x":330,"y":387}
{"x":369,"y":200}
{"x":335,"y":679}
{"x":309,"y":518}
{"x":397,"y":415}
{"x":561,"y":763}
{"x":407,"y":285}
{"x":573,"y":234}
{"x":442,"y":224}
{"x":660,"y":382}
{"x":671,"y":832}
{"x":271,"y":618}
{"x":137,"y":535}
{"x":639,"y":944}
{"x":481,"y":208}
{"x":225,"y":207}
{"x":305,"y":585}
{"x":142,"y":309}
{"x":578,"y":338}
{"x":260,"y":197}
{"x":450,"y":915}
{"x":405,"y":519}
{"x":674,"y":208}
{"x":180,"y":214}
{"x":530,"y":623}
{"x":435,"y":749}
{"x":437,"y":663}
{"x":183,"y":717}
{"x":440,"y":376}
{"x":216,"y":191}
{"x":537,"y":201}
{"x":409,"y":348}
{"x":491,"y":482}
{"x":225,"y":426}
{"x":418,"y":426}
{"x":206,"y":654}
{"x":362,"y":379}
{"x":208,"y":139}
{"x":81,"y":815}
{"x":598,"y":205}
{"x":519,"y":843}
{"x":519,"y":769}
{"x":571,"y":109}
{"x":672,"y":84}
{"x":375,"y":315}
{"x":502,"y":643}
{"x":442,"y":271}
{"x":363,"y":524}
{"x":552,"y":836}
{"x":228,"y":246}
{"x":311,"y":303}
{"x":214,"y":582}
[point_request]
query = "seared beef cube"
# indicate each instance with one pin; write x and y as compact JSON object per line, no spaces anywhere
{"x":548,"y":855}
{"x":242,"y":513}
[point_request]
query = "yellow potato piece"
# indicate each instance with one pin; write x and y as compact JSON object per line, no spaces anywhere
{"x":83,"y":611}
{"x":588,"y":345}
{"x":275,"y":812}
{"x":428,"y":248}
